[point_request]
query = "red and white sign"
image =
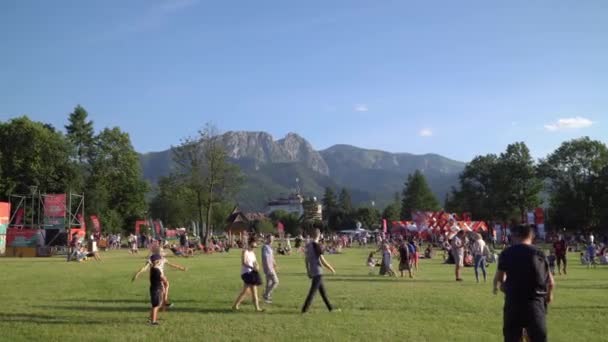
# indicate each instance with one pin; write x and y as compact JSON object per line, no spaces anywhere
{"x":54,"y":205}
{"x":96,"y":223}
{"x":280,"y":227}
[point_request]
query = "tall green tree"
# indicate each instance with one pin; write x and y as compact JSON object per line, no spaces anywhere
{"x":417,"y":196}
{"x":345,"y":202}
{"x":33,"y":154}
{"x":480,"y":189}
{"x":519,"y":181}
{"x":202,"y":164}
{"x":329,"y":203}
{"x":80,"y":133}
{"x":575,"y":173}
{"x":116,"y":190}
{"x":392,"y":212}
{"x":368,"y":216}
{"x":174,"y":203}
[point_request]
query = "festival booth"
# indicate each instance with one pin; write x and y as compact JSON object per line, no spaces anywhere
{"x":426,"y":224}
{"x":37,"y":221}
{"x":5,"y":213}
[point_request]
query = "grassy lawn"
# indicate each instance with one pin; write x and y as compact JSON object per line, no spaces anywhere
{"x":49,"y":299}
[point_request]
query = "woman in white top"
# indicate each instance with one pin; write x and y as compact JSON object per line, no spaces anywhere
{"x":479,"y":255}
{"x":250,"y":275}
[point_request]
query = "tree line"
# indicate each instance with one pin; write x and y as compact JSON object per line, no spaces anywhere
{"x":572,"y":181}
{"x":103,"y":166}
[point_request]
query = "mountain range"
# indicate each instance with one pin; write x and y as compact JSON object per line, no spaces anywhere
{"x":275,"y":168}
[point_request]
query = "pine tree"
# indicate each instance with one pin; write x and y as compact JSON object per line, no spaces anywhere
{"x":80,"y":133}
{"x":346,"y":204}
{"x":417,"y":196}
{"x":329,"y":203}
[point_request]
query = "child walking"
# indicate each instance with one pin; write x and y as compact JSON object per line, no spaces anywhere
{"x":157,"y":291}
{"x":371,"y":263}
{"x":157,"y":251}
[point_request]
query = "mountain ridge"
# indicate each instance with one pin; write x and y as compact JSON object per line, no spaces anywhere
{"x":271,"y":167}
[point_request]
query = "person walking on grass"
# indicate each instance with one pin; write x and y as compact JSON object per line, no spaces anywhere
{"x":157,"y":251}
{"x":157,"y":281}
{"x":458,"y":253}
{"x":560,"y":247}
{"x":250,"y":276}
{"x":314,"y":266}
{"x":405,"y":262}
{"x":524,"y":276}
{"x":479,"y":257}
{"x":270,"y":269}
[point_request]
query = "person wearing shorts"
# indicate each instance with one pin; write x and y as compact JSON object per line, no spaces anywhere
{"x":250,"y":276}
{"x":560,"y":247}
{"x":458,"y":253}
{"x":157,"y":291}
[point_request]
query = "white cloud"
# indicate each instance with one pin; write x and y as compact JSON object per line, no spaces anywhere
{"x":569,"y":123}
{"x":425,"y":132}
{"x":360,"y":108}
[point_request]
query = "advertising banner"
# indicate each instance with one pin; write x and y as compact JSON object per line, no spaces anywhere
{"x":21,"y":237}
{"x":54,"y":222}
{"x":54,"y":205}
{"x":19,"y":216}
{"x":5,"y":216}
{"x":96,"y":223}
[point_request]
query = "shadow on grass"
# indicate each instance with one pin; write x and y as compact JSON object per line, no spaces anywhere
{"x":46,"y":319}
{"x":386,"y":279}
{"x":123,"y":300}
{"x":578,"y":307}
{"x":98,"y":308}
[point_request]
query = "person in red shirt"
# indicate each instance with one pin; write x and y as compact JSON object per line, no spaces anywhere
{"x":560,"y":247}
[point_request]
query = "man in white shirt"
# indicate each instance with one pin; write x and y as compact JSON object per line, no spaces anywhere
{"x":270,"y":269}
{"x":458,"y":253}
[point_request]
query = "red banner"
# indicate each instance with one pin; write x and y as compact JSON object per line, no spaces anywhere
{"x":21,"y":237}
{"x":96,"y":224}
{"x":19,"y":215}
{"x":80,"y":232}
{"x":280,"y":227}
{"x":539,"y":216}
{"x":138,"y":225}
{"x":54,"y":205}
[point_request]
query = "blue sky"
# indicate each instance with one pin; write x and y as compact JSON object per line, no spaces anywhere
{"x":458,"y":78}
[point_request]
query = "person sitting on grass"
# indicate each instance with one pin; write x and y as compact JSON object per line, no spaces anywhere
{"x":94,"y":254}
{"x":157,"y":289}
{"x":163,"y":261}
{"x":428,"y":252}
{"x":584,"y":260}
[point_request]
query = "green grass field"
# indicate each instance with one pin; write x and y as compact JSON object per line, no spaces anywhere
{"x":51,"y":300}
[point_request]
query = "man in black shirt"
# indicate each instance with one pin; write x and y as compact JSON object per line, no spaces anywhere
{"x":523,"y":275}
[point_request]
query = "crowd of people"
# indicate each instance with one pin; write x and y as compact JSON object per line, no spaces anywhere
{"x":524,"y":272}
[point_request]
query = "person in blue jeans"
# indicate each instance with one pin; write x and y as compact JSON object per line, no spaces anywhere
{"x":479,"y":259}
